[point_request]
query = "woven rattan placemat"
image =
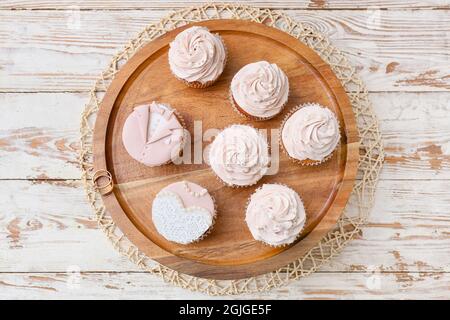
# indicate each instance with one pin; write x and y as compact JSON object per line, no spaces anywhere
{"x":371,"y":151}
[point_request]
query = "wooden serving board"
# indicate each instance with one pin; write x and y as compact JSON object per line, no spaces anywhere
{"x":229,"y":251}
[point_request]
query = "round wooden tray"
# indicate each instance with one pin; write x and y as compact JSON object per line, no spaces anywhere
{"x":229,"y":251}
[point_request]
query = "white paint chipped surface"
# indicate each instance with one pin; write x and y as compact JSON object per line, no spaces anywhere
{"x":50,"y":246}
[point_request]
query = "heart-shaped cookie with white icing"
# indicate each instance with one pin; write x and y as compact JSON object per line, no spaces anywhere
{"x":183,"y":212}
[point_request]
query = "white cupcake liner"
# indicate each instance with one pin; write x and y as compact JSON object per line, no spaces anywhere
{"x":283,"y":244}
{"x":306,"y":162}
{"x":244,"y":114}
{"x":234,"y":186}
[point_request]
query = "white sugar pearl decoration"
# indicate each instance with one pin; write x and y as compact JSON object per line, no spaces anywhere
{"x":194,"y":193}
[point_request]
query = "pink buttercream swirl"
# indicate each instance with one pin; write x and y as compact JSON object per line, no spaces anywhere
{"x":275,"y":214}
{"x":261,"y":89}
{"x":312,"y":132}
{"x":239,"y":155}
{"x":197,"y":55}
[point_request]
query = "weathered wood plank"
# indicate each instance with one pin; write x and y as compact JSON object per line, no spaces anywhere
{"x":39,"y":135}
{"x":387,"y":47}
{"x":416,"y":133}
{"x":48,"y":226}
{"x":409,"y":227}
{"x":171,"y":4}
{"x":144,"y":286}
{"x":52,"y":50}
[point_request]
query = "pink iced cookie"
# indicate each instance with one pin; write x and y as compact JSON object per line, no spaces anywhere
{"x":152,"y":134}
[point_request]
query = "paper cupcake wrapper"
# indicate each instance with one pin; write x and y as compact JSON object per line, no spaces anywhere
{"x":236,"y":186}
{"x":305,"y":162}
{"x":199,"y":84}
{"x":244,"y":114}
{"x":283,"y":244}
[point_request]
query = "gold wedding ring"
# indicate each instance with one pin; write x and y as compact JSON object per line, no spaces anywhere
{"x":104,"y":188}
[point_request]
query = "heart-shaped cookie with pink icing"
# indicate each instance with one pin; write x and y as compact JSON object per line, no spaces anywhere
{"x":183,"y":212}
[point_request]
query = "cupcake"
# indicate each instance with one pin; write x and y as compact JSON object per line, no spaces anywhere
{"x":197,"y":57}
{"x":259,"y":90}
{"x":310,"y":134}
{"x":275,"y":215}
{"x":183,"y":212}
{"x":239,"y":156}
{"x":153,"y":134}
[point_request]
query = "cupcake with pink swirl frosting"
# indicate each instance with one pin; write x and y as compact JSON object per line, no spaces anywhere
{"x":310,"y":134}
{"x":239,"y":156}
{"x":259,"y":90}
{"x":197,"y":57}
{"x":275,"y":215}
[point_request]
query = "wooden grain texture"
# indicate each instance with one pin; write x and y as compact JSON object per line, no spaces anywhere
{"x":48,"y":226}
{"x":416,"y":134}
{"x":39,"y":135}
{"x":71,"y":54}
{"x":229,"y":252}
{"x":414,"y":126}
{"x":172,"y":4}
{"x":423,"y":285}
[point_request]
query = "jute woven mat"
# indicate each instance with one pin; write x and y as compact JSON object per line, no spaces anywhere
{"x":371,"y":151}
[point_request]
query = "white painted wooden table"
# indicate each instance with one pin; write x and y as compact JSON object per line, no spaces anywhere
{"x":50,"y":53}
